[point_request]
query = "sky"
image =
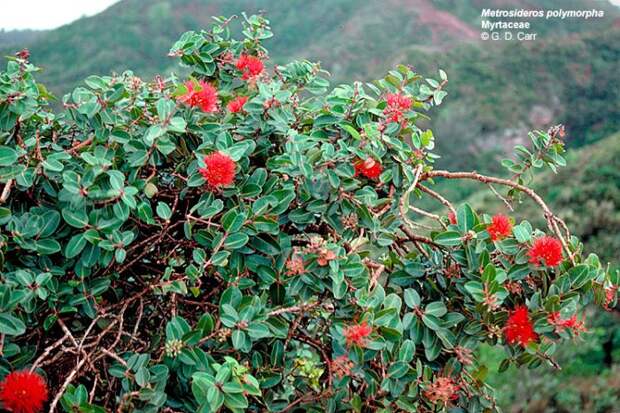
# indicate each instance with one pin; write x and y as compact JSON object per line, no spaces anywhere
{"x":47,"y":14}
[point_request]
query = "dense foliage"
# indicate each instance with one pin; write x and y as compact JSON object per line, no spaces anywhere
{"x":244,"y":239}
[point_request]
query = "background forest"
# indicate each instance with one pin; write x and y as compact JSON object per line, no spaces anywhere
{"x":568,"y":75}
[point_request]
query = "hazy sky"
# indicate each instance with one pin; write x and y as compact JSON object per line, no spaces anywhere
{"x":48,"y":14}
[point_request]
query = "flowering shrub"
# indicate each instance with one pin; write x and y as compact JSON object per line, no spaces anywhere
{"x":246,"y":239}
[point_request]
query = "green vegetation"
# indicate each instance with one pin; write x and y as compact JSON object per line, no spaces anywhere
{"x":586,"y":193}
{"x":497,"y":92}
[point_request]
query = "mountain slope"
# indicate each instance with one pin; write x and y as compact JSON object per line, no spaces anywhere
{"x":496,"y":95}
{"x":354,"y":39}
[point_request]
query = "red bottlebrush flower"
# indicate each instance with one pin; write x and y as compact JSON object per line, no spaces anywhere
{"x":236,"y":105}
{"x":452,"y":218}
{"x":500,"y":227}
{"x":23,"y":392}
{"x":369,"y":168}
{"x":219,"y":169}
{"x":357,"y":334}
{"x":443,"y":389}
{"x":519,"y":328}
{"x":342,"y":366}
{"x":251,"y":66}
{"x":396,"y":105}
{"x":546,"y":251}
{"x":575,"y":325}
{"x":204,"y":97}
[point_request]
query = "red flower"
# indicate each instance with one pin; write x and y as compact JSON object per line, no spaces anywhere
{"x":236,"y":105}
{"x":370,"y":168}
{"x":519,"y":328}
{"x":546,"y":251}
{"x":396,"y":105}
{"x":219,"y":169}
{"x":357,"y":334}
{"x":452,"y":218}
{"x":443,"y":389}
{"x":251,"y":66}
{"x":204,"y":97}
{"x":500,"y":227}
{"x":572,"y":323}
{"x":23,"y":392}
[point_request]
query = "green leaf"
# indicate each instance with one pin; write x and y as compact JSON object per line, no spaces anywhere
{"x":11,"y":325}
{"x":523,"y":232}
{"x":437,"y":308}
{"x":77,"y":219}
{"x":476,"y":290}
{"x":232,"y":221}
{"x":352,"y":131}
{"x":238,"y":339}
{"x":466,"y":218}
{"x":236,"y":240}
{"x":8,"y":156}
{"x":165,"y":108}
{"x":47,"y":246}
{"x":398,"y":369}
{"x":448,"y":238}
{"x":163,"y":211}
{"x":412,"y":298}
{"x":431,"y":321}
{"x":235,"y":402}
{"x":75,"y":245}
{"x":177,"y":124}
{"x":258,"y":330}
{"x":407,"y":351}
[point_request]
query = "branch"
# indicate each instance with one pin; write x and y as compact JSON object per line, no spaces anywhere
{"x":549,"y":216}
{"x":6,"y":191}
{"x":405,"y":197}
{"x":438,"y":197}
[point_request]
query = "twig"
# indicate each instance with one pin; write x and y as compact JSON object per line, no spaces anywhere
{"x":64,"y":386}
{"x":48,"y":350}
{"x":405,"y":197}
{"x":294,"y":309}
{"x":504,"y":200}
{"x":438,"y":197}
{"x":6,"y":191}
{"x":114,"y":356}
